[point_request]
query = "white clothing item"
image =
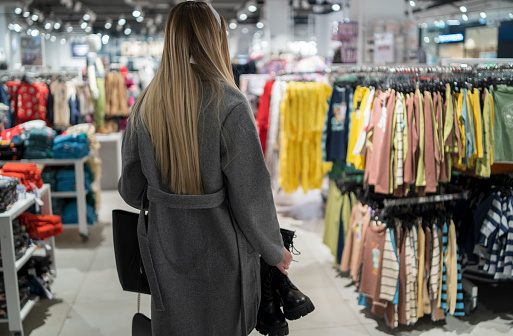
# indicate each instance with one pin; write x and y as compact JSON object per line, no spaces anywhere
{"x":271,"y":152}
{"x":362,"y":138}
{"x":33,"y":124}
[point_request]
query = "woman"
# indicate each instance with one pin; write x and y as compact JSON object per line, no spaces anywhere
{"x":192,"y":157}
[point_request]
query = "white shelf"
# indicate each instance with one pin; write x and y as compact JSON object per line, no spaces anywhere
{"x":22,"y":205}
{"x":50,"y":162}
{"x":66,"y":194}
{"x":23,"y":260}
{"x":28,"y":307}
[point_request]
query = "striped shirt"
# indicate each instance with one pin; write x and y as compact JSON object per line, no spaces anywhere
{"x":390,"y":269}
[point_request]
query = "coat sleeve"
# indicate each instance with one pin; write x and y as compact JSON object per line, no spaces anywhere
{"x":132,"y":183}
{"x":248,"y":184}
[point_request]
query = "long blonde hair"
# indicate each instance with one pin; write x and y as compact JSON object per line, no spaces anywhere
{"x":195,"y":53}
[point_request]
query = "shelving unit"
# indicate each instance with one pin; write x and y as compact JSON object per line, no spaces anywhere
{"x":79,"y":194}
{"x":11,"y":266}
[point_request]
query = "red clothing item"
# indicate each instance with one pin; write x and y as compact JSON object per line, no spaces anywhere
{"x":10,"y":133}
{"x":409,"y":163}
{"x":31,"y":102}
{"x":262,"y":117}
{"x":26,"y":172}
{"x":42,"y":226}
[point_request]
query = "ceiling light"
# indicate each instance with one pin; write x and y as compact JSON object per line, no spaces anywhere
{"x":260,"y":25}
{"x":441,"y":23}
{"x":243,"y":16}
{"x":26,"y":14}
{"x":17,"y":28}
{"x":245,"y":30}
{"x":121,"y":22}
{"x":464,"y":17}
{"x":29,"y":32}
{"x":34,"y":32}
{"x":412,"y":3}
{"x":105,"y":39}
{"x":18,"y":10}
{"x":86,"y":17}
{"x":63,"y":41}
{"x":136,"y":13}
{"x":69,"y":29}
{"x":11,"y":26}
{"x":453,"y":22}
{"x":426,"y":39}
{"x":88,"y":29}
{"x":48,"y":25}
{"x":436,"y":23}
{"x":335,"y":7}
{"x":57,"y":25}
{"x":252,"y":8}
{"x":158,"y":19}
{"x":510,"y":15}
{"x":83,"y":25}
{"x":437,"y":40}
{"x":232,"y":25}
{"x":139,"y":19}
{"x":483,"y":15}
{"x":108,"y":24}
{"x":53,"y":38}
{"x":128,"y":31}
{"x":48,"y":36}
{"x":463,"y":9}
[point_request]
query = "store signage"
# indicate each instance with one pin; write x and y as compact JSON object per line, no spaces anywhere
{"x":384,"y":48}
{"x":450,"y":38}
{"x":79,"y":49}
{"x":142,"y":48}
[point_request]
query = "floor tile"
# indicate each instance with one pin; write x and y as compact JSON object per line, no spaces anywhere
{"x":103,"y":286}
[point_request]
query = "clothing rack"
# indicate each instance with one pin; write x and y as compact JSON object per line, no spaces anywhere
{"x":425,"y":199}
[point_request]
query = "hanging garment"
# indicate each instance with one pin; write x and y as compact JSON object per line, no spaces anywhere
{"x":360,"y":99}
{"x":383,"y":156}
{"x":429,"y":149}
{"x":272,"y":149}
{"x":483,"y":166}
{"x":362,"y":138}
{"x":337,"y":125}
{"x":420,"y":180}
{"x":304,"y":110}
{"x":332,"y":218}
{"x":262,"y":117}
{"x":116,"y":95}
{"x":62,"y":92}
{"x":409,"y":163}
{"x":31,"y":100}
{"x":503,"y":124}
{"x":351,"y":256}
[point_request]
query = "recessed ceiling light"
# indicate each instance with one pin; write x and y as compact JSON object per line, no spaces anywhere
{"x":252,"y":8}
{"x":139,"y":19}
{"x":136,"y":13}
{"x":121,"y":22}
{"x":335,"y":7}
{"x":463,"y":9}
{"x":243,"y":16}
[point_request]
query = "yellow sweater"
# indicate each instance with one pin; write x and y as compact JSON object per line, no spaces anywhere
{"x":303,"y":111}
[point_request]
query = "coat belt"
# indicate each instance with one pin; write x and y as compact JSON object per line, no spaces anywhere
{"x":176,"y":201}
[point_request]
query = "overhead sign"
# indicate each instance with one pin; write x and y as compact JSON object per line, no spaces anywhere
{"x":384,"y":48}
{"x":142,"y":48}
{"x":450,"y":38}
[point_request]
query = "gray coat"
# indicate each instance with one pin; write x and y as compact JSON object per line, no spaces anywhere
{"x":201,"y":253}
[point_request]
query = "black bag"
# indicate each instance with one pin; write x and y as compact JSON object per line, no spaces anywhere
{"x":127,"y":253}
{"x":129,"y":264}
{"x":141,"y":325}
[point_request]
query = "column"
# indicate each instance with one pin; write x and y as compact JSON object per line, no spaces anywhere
{"x":277,"y":24}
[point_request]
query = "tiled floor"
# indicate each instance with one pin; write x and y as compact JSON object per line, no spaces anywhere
{"x":89,"y":301}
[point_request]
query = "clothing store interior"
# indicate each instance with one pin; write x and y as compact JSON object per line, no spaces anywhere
{"x":386,"y":127}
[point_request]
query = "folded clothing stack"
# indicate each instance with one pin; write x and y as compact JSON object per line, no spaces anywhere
{"x":66,"y":180}
{"x":41,"y":226}
{"x":70,"y":214}
{"x":71,"y":146}
{"x":27,"y":173}
{"x":49,"y":175}
{"x":39,"y":143}
{"x":8,"y":194}
{"x":21,"y":240}
{"x":12,"y":150}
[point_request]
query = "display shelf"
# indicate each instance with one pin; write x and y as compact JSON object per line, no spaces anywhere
{"x":22,"y":205}
{"x":50,"y":162}
{"x":66,"y":194}
{"x":80,"y":194}
{"x":11,"y":266}
{"x":23,"y":260}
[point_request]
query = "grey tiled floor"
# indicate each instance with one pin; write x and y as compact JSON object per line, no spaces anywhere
{"x":89,"y":301}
